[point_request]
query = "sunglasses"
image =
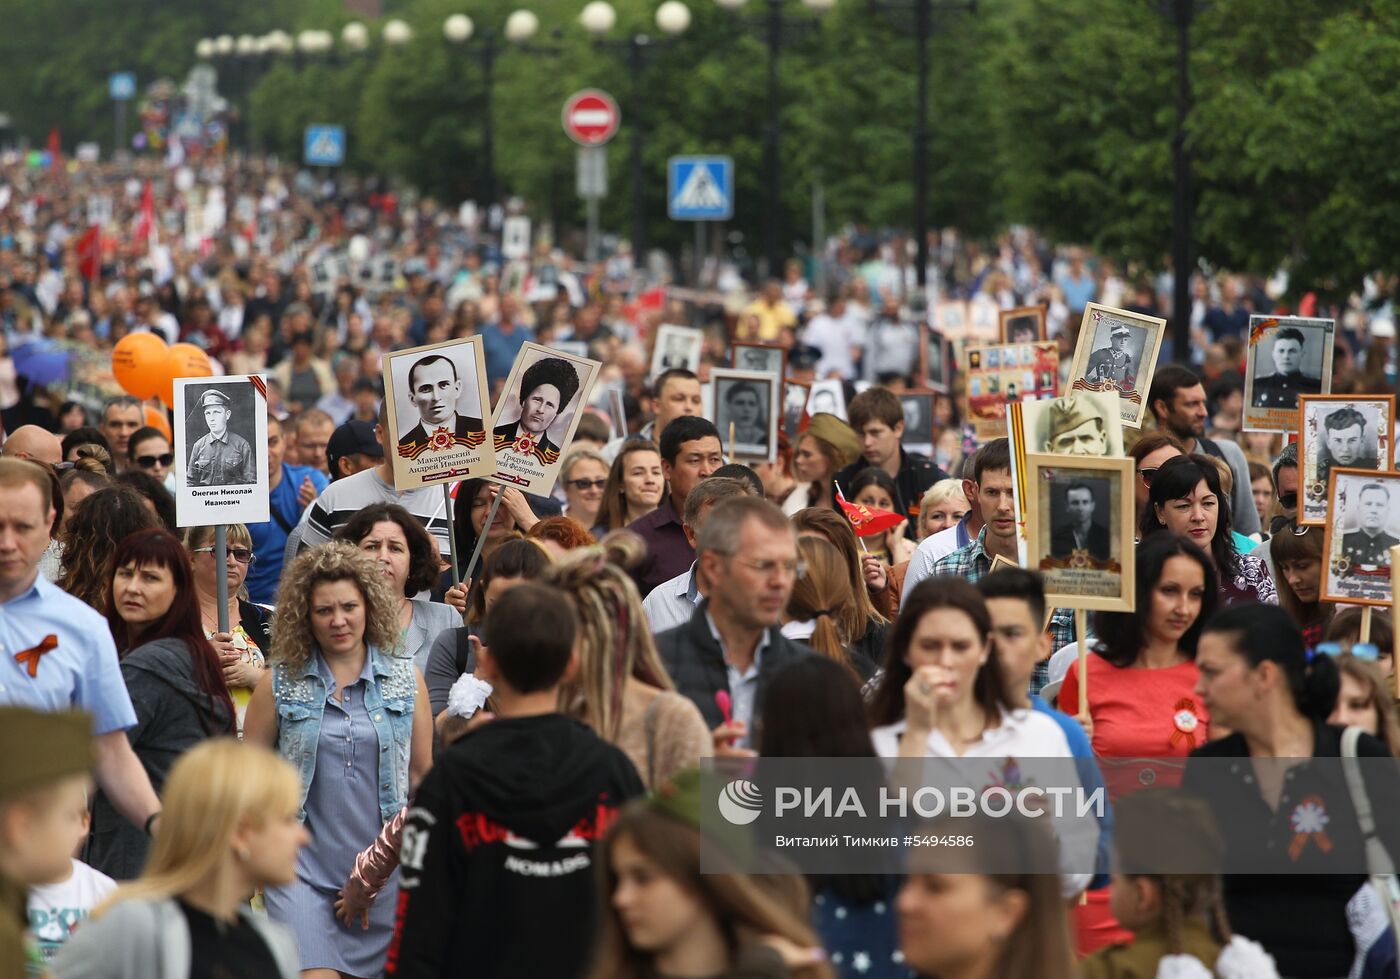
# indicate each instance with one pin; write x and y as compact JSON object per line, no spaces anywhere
{"x":240,"y":554}
{"x":1148,"y":475}
{"x":1361,"y":650}
{"x":1288,"y":501}
{"x":586,"y":484}
{"x":147,"y":462}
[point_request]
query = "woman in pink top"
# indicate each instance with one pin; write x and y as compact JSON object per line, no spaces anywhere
{"x":1141,"y":695}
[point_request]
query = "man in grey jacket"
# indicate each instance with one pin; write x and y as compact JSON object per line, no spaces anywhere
{"x":1178,"y":402}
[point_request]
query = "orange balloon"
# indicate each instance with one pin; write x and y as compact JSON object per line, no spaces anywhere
{"x":139,"y":364}
{"x":156,"y":419}
{"x":183,"y":360}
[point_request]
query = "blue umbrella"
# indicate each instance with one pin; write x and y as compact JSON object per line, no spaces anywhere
{"x":40,"y":363}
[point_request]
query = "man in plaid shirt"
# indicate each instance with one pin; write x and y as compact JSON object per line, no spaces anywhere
{"x":995,"y":495}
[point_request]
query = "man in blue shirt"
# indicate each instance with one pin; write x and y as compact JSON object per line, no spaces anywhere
{"x":290,"y":490}
{"x":58,"y":653}
{"x":502,"y":340}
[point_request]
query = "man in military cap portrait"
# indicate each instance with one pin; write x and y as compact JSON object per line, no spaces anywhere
{"x":1370,"y":545}
{"x":546,"y":389}
{"x":1288,"y":380}
{"x":1075,"y":428}
{"x":222,"y":457}
{"x":1113,"y":363}
{"x":435,"y":388}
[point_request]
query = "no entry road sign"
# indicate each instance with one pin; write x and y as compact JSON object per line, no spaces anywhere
{"x":591,"y":117}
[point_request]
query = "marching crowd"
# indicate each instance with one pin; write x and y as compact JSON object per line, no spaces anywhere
{"x":374,"y":769}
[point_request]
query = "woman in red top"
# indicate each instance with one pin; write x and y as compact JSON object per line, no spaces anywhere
{"x":1141,"y":695}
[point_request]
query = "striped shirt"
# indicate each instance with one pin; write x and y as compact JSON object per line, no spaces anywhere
{"x":347,"y":496}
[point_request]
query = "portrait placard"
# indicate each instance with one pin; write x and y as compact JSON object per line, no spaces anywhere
{"x":1363,"y":524}
{"x":1085,"y":423}
{"x":536,"y":415}
{"x":765,"y":358}
{"x":747,"y":401}
{"x":1287,"y":356}
{"x":1342,"y":430}
{"x":936,"y":360}
{"x":1025,"y":324}
{"x":952,"y":320}
{"x":1117,"y":351}
{"x":1004,"y":374}
{"x":827,"y":396}
{"x":795,"y":396}
{"x":1079,"y":518}
{"x":221,"y":450}
{"x":437,"y":401}
{"x":918,"y":421}
{"x":676,"y":346}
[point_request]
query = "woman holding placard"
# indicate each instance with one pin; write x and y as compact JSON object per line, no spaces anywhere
{"x":1297,"y":554}
{"x":1186,"y":499}
{"x":1142,"y":676}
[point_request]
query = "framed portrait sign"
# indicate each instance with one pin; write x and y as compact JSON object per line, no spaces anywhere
{"x":536,"y":415}
{"x":1363,"y":524}
{"x":221,"y":450}
{"x":676,"y":346}
{"x":1079,"y":521}
{"x":918,"y":420}
{"x":1342,"y":430}
{"x":952,"y":319}
{"x":747,"y":404}
{"x":1005,"y":374}
{"x":936,"y":360}
{"x":765,"y":358}
{"x":1084,"y":423}
{"x":1117,"y":351}
{"x":1287,"y":356}
{"x":437,"y":401}
{"x":795,"y":396}
{"x":1025,"y":324}
{"x":827,"y":396}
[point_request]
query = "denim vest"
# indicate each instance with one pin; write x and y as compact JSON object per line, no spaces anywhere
{"x":300,"y":696}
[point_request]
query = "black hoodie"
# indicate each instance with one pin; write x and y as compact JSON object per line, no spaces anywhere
{"x":497,"y":855}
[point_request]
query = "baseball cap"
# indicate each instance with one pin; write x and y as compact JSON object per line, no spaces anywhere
{"x":352,"y":437}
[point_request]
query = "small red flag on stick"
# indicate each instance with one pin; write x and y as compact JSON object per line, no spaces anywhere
{"x":868,"y":521}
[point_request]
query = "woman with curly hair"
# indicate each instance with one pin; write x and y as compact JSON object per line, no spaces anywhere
{"x":560,"y":535}
{"x":99,"y":524}
{"x":409,"y":559}
{"x":620,"y":688}
{"x":349,"y":710}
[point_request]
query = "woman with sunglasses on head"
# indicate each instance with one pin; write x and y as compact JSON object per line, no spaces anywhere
{"x":149,"y":451}
{"x":1148,"y":454}
{"x":635,"y":486}
{"x":1345,"y":628}
{"x":171,"y":672}
{"x":1142,"y":705}
{"x":1297,"y":554}
{"x":1365,"y":698}
{"x":1258,"y":680}
{"x":1186,"y":498}
{"x":243,"y":646}
{"x":583,"y":476}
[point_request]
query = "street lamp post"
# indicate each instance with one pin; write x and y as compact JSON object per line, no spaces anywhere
{"x":673,"y":18}
{"x":923,"y":11}
{"x":458,"y":29}
{"x":1182,"y":13}
{"x":775,"y":26}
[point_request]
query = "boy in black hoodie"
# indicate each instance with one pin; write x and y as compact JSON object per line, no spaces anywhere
{"x":497,"y":856}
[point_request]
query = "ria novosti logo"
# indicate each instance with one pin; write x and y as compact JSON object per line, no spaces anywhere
{"x":740,"y":802}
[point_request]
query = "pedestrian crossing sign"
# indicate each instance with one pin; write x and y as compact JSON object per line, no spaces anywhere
{"x":700,"y":188}
{"x":324,"y":146}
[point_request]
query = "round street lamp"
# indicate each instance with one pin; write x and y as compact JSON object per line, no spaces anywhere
{"x":458,"y":28}
{"x":204,"y":50}
{"x":246,"y":45}
{"x":355,"y":36}
{"x":279,"y":42}
{"x":224,"y":44}
{"x":521,"y":26}
{"x":397,"y":33}
{"x":598,"y":17}
{"x":673,"y":17}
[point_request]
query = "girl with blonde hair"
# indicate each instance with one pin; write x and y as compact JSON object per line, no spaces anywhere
{"x":228,"y":827}
{"x":620,"y":688}
{"x":816,"y":610}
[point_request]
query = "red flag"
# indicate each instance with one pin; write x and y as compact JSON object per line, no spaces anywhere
{"x":146,"y":224}
{"x":90,"y":253}
{"x":868,"y":521}
{"x":55,"y":148}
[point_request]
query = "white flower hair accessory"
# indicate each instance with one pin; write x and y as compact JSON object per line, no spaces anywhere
{"x":1182,"y":967}
{"x":467,"y":696}
{"x":1245,"y":959}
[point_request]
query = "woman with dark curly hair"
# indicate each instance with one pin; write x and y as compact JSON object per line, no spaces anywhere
{"x":409,"y":559}
{"x":349,"y":710}
{"x":100,"y":522}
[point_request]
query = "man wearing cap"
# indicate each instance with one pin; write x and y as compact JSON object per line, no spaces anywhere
{"x":1113,"y":363}
{"x":435,"y":389}
{"x":220,"y":458}
{"x":58,"y":652}
{"x":1281,"y":388}
{"x":1076,"y":429}
{"x":547,"y":388}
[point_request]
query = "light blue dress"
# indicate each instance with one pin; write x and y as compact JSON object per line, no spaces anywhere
{"x":342,"y":816}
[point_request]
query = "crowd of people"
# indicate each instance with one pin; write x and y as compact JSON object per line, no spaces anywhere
{"x":362,"y":766}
